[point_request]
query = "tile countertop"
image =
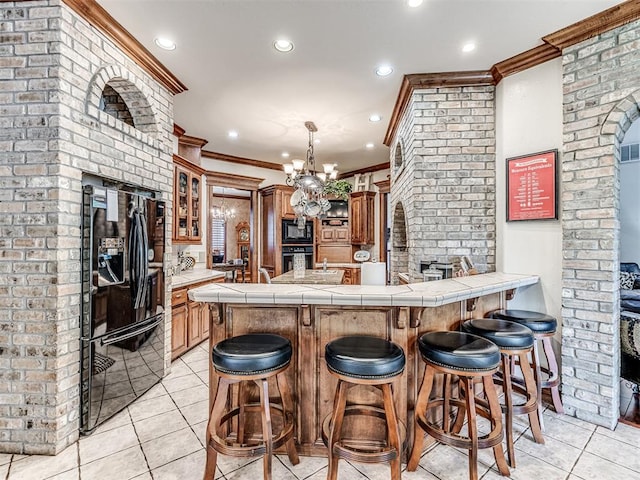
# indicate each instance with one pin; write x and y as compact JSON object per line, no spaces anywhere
{"x":195,"y":275}
{"x":425,"y":294}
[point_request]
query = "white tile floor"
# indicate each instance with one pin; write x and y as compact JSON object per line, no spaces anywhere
{"x":161,"y":437}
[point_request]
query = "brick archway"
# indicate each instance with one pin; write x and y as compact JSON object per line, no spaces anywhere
{"x":591,"y":267}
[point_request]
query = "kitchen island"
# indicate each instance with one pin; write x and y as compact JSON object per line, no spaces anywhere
{"x":313,"y":277}
{"x":312,"y":315}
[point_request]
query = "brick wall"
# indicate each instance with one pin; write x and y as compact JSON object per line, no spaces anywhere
{"x":53,"y":68}
{"x":446,"y":183}
{"x":601,"y":99}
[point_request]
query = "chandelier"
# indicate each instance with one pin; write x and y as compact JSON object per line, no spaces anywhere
{"x":309,"y":199}
{"x":223,"y":212}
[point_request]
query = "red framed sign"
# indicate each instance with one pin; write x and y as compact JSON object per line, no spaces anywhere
{"x":532,"y":182}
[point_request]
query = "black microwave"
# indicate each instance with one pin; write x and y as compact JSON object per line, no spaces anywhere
{"x":291,"y":234}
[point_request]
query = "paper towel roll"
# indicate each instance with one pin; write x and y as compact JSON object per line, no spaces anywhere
{"x":373,"y":273}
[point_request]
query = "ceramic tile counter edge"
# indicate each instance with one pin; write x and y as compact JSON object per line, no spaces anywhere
{"x":194,"y":276}
{"x":425,"y":294}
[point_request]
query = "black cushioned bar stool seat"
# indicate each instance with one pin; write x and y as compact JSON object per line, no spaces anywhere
{"x":537,"y":322}
{"x":514,"y":341}
{"x":239,"y":360}
{"x":543,"y":327}
{"x":361,"y":356}
{"x":252,"y":353}
{"x":469,"y":358}
{"x":460,"y":351}
{"x":363,"y":360}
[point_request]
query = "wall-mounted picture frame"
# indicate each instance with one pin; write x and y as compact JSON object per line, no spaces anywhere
{"x":532,"y":187}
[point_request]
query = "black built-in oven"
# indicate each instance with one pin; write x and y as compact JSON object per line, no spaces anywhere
{"x":289,"y":252}
{"x":292,"y":234}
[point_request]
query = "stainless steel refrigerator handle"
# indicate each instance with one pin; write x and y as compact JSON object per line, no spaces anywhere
{"x":137,"y":259}
{"x":144,"y":258}
{"x":108,"y":340}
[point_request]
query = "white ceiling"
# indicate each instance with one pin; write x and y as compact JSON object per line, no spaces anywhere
{"x":237,"y":80}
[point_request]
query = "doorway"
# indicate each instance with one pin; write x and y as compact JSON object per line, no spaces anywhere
{"x":234,"y":236}
{"x":630,"y":279}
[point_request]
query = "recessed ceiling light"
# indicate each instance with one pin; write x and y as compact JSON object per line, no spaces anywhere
{"x":233,"y":134}
{"x":283,"y":45}
{"x":285,"y":154}
{"x":375,"y":118}
{"x":414,"y":3}
{"x":469,"y":47}
{"x":369,"y":145}
{"x":165,"y":43}
{"x":384,"y":70}
{"x":316,"y":140}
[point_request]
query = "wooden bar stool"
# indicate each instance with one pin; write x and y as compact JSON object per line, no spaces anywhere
{"x":363,"y":360}
{"x":470,"y":358}
{"x":543,"y":327}
{"x":514,"y":341}
{"x":250,"y":358}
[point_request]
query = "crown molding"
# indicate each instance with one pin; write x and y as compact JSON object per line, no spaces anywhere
{"x":609,"y":19}
{"x":97,"y":16}
{"x":240,"y":160}
{"x":183,"y":162}
{"x":361,"y":171}
{"x":230,"y":180}
{"x":384,"y":186}
{"x":192,"y":141}
{"x":524,"y":61}
{"x":178,"y":131}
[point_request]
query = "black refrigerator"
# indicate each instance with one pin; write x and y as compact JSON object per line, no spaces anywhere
{"x":122,"y":328}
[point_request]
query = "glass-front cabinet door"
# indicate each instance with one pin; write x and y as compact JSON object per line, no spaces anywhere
{"x":187,"y":225}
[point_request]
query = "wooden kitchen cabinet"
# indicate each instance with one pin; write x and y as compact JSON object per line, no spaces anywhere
{"x":333,"y":253}
{"x":351,"y":276}
{"x":179,"y":334}
{"x":189,"y":320}
{"x":362,"y":218}
{"x":275,"y":202}
{"x":287,"y":209}
{"x":187,"y":202}
{"x":330,"y":234}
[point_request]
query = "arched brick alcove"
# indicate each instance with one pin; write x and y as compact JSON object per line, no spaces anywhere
{"x":400,"y":247}
{"x":132,"y":92}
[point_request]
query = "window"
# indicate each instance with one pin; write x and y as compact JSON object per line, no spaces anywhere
{"x":218,"y":240}
{"x":630,"y":152}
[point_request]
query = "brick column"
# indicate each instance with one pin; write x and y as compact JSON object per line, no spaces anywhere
{"x":446,"y":181}
{"x":601,"y":95}
{"x":53,"y":133}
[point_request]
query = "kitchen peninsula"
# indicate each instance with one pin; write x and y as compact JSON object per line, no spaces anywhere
{"x":312,"y":315}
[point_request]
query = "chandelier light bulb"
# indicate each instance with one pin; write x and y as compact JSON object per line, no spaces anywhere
{"x":328,"y":167}
{"x":298,"y":164}
{"x":333,"y":175}
{"x":288,"y":168}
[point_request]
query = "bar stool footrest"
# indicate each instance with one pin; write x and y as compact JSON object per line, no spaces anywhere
{"x":491,"y":439}
{"x":363,"y":451}
{"x":226,"y":446}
